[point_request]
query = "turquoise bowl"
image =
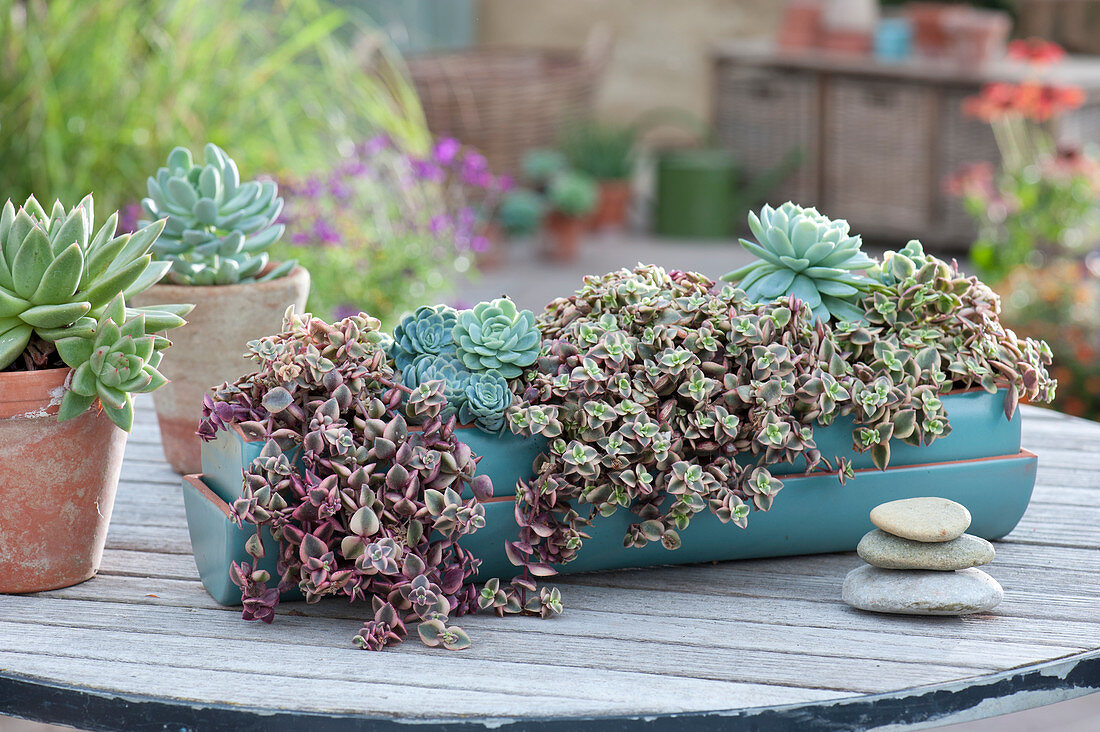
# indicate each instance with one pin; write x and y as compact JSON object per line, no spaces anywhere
{"x":979,"y":464}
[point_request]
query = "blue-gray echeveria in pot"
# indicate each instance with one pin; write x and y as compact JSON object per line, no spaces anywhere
{"x":496,"y":336}
{"x":487,"y":398}
{"x":428,"y":331}
{"x":807,"y":255}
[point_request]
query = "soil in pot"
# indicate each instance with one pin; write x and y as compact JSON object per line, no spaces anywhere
{"x":209,"y":349}
{"x":57,"y":484}
{"x":562,"y":237}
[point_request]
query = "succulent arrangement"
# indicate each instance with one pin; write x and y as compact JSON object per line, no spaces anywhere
{"x":63,"y":291}
{"x":218,"y":229}
{"x":375,"y":510}
{"x":572,"y":194}
{"x":807,"y":255}
{"x":667,"y":395}
{"x":473,"y":352}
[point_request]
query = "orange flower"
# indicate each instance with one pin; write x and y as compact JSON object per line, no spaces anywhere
{"x":1035,"y":51}
{"x":1052,"y":101}
{"x":995,"y":101}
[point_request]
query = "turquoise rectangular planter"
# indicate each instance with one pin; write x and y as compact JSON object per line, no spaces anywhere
{"x":979,"y":464}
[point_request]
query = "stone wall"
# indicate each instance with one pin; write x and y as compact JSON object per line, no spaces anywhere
{"x":660,"y":52}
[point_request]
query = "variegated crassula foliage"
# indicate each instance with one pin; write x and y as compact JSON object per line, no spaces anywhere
{"x":218,"y":228}
{"x":362,"y":506}
{"x":475,"y":352}
{"x":63,"y":290}
{"x":807,"y":255}
{"x":667,"y":395}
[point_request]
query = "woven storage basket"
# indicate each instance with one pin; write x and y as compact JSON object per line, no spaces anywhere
{"x":878,"y":169}
{"x":763,"y":114}
{"x":505,"y":101}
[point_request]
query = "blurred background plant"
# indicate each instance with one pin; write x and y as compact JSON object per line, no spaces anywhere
{"x":602,"y":150}
{"x":1041,"y":202}
{"x":383,"y":230}
{"x":1060,"y":302}
{"x":93,"y":95}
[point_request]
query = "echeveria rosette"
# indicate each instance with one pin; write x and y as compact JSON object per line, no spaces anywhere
{"x":807,"y":255}
{"x":58,"y":273}
{"x":218,"y":229}
{"x":495,"y":336}
{"x":110,"y":365}
{"x":487,"y":398}
{"x":439,"y":368}
{"x":426,"y":332}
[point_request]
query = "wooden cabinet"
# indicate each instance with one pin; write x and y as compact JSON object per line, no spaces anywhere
{"x":877,"y":141}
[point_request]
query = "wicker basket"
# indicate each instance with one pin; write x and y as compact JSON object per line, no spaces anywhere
{"x":764,"y":114}
{"x":506,"y":101}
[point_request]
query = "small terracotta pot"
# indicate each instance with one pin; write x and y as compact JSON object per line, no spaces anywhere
{"x":210,"y":349}
{"x":563,"y":235}
{"x":57,"y":484}
{"x":612,"y":204}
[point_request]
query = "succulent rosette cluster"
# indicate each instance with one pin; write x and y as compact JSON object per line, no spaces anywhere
{"x":474,"y":352}
{"x":63,"y":291}
{"x":368,"y":509}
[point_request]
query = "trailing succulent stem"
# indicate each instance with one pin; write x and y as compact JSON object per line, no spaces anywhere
{"x":666,"y":396}
{"x":375,"y":510}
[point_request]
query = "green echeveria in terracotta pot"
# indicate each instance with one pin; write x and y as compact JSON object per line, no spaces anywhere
{"x":72,"y":355}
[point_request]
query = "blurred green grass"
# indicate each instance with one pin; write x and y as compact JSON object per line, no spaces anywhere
{"x":93,"y":95}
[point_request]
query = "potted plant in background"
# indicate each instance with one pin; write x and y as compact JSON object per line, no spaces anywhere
{"x":570,"y":198}
{"x":71,"y":355}
{"x":217,"y":233}
{"x":606,"y":153}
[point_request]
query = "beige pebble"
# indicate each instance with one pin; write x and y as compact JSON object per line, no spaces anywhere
{"x":922,"y":519}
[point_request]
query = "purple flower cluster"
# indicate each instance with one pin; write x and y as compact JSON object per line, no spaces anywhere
{"x":448,"y":196}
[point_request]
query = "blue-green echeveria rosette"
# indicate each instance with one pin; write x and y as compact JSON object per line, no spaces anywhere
{"x":487,"y":398}
{"x":439,"y":368}
{"x":807,"y":255}
{"x":495,"y":336}
{"x":427,"y":332}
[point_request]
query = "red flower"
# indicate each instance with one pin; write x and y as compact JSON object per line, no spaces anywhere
{"x":1030,"y":99}
{"x":995,"y":101}
{"x":972,"y":179}
{"x":1035,"y":51}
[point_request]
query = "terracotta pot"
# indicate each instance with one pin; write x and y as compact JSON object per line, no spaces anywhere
{"x":929,"y":35}
{"x":209,"y":349}
{"x":800,"y":28}
{"x":563,"y":235}
{"x":612,"y":204}
{"x":57,"y":484}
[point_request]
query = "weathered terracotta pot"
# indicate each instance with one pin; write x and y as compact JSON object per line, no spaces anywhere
{"x":612,"y":204}
{"x":563,"y":234}
{"x":57,"y":484}
{"x":209,"y":349}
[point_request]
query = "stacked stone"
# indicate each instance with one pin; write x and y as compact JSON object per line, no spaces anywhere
{"x":920,"y":562}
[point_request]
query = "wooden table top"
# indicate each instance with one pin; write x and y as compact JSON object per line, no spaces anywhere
{"x":760,"y":642}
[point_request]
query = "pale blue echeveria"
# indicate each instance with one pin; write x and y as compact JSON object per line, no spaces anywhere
{"x":426,"y":332}
{"x":439,"y":368}
{"x":496,"y":336}
{"x":219,"y":228}
{"x":486,"y":400}
{"x":807,"y":255}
